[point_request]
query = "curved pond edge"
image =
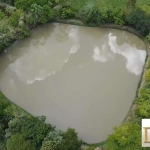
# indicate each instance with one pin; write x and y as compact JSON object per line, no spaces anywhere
{"x":131,"y":113}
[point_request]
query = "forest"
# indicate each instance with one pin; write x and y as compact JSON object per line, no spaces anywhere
{"x":21,"y":131}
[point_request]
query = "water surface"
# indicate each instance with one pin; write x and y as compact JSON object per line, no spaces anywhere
{"x":79,"y":77}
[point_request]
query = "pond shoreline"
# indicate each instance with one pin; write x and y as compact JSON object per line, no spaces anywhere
{"x":131,"y":114}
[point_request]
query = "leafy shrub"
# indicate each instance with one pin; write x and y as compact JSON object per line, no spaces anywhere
{"x":49,"y":145}
{"x":126,"y":137}
{"x":57,"y":140}
{"x":11,"y":2}
{"x":4,"y":30}
{"x":97,"y":16}
{"x":2,"y":139}
{"x":24,"y":32}
{"x":100,"y":14}
{"x":143,"y":109}
{"x":59,"y":1}
{"x":9,"y":10}
{"x":3,"y":117}
{"x":13,"y":111}
{"x":14,"y":18}
{"x":66,"y":13}
{"x":70,"y":141}
{"x":3,"y":105}
{"x":31,"y":128}
{"x":118,"y":16}
{"x":3,"y":120}
{"x":148,"y":36}
{"x":140,"y":19}
{"x":2,"y":145}
{"x":41,"y":14}
{"x":54,"y":136}
{"x":91,"y":148}
{"x":85,"y":13}
{"x":144,"y":94}
{"x":36,"y":11}
{"x":47,"y":14}
{"x":147,"y":75}
{"x":4,"y":42}
{"x":2,"y":15}
{"x":18,"y":142}
{"x":131,"y":3}
{"x":52,"y":140}
{"x":25,"y":5}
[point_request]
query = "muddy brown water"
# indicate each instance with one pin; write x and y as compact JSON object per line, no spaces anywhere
{"x":80,"y":77}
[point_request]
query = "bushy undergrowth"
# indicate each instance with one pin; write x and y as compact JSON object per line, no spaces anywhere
{"x":21,"y":131}
{"x":15,"y":17}
{"x":101,"y":15}
{"x":25,"y":5}
{"x":2,"y":15}
{"x":41,"y":14}
{"x":11,"y":2}
{"x":125,"y":12}
{"x":58,"y":140}
{"x":143,"y":101}
{"x":139,"y":18}
{"x":17,"y":23}
{"x":18,"y":142}
{"x":126,"y":137}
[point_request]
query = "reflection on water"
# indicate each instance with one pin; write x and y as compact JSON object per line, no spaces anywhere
{"x":79,"y":77}
{"x":102,"y":55}
{"x":134,"y":58}
{"x":73,"y":34}
{"x":28,"y":72}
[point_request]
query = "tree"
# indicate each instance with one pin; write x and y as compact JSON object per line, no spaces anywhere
{"x":131,"y":3}
{"x":70,"y":141}
{"x":18,"y":142}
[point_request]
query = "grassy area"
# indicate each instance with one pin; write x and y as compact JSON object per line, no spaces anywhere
{"x":78,"y":5}
{"x":145,"y":2}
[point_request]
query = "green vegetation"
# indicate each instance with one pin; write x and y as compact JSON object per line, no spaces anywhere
{"x":52,"y":140}
{"x":41,"y":14}
{"x":126,"y":137}
{"x":17,"y":141}
{"x":16,"y":24}
{"x":21,"y":131}
{"x":2,"y":15}
{"x":57,"y":140}
{"x":14,"y":18}
{"x":70,"y":141}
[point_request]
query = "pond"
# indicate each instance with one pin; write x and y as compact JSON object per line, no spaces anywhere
{"x":80,"y":77}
